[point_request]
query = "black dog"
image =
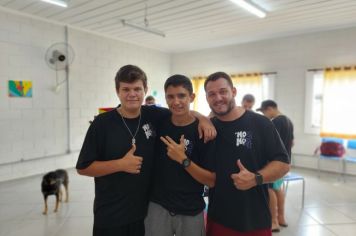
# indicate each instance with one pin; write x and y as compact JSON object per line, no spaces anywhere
{"x":51,"y":185}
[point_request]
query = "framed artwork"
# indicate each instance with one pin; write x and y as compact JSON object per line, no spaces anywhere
{"x":20,"y":88}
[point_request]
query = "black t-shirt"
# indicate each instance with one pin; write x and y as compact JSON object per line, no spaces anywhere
{"x":284,"y":127}
{"x":173,"y":187}
{"x":121,"y":198}
{"x":253,"y":139}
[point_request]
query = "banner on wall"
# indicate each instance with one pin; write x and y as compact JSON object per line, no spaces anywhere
{"x":20,"y":88}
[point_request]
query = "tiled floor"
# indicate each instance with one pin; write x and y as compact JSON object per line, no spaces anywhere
{"x":330,"y":208}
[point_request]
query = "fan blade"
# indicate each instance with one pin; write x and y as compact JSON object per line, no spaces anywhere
{"x":58,"y":56}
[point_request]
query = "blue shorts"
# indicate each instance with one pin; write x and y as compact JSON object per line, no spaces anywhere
{"x":276,"y":185}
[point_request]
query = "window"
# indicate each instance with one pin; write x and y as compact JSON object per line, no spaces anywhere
{"x":262,"y":89}
{"x":313,"y":101}
{"x":330,"y":106}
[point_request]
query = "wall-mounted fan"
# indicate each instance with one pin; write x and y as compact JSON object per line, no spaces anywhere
{"x":59,"y":56}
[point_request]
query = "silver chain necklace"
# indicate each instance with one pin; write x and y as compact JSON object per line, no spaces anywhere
{"x":127,"y":127}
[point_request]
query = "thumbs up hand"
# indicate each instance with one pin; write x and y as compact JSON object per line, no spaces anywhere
{"x":130,"y":162}
{"x":245,"y":179}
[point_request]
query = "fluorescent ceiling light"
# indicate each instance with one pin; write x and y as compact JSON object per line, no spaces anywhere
{"x":61,"y":3}
{"x":250,"y":7}
{"x":143,"y":28}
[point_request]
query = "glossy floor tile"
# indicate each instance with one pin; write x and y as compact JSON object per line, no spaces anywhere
{"x":329,"y":210}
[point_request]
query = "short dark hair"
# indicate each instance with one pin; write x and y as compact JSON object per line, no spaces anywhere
{"x":179,"y":80}
{"x":149,"y":98}
{"x":130,"y":74}
{"x":267,"y":103}
{"x":217,"y":75}
{"x":248,"y":98}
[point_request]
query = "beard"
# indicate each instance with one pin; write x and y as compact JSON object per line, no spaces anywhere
{"x":230,"y":106}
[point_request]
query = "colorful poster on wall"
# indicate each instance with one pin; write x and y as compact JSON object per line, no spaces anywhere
{"x":20,"y":88}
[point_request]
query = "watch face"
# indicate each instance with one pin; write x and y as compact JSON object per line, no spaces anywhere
{"x":186,"y":163}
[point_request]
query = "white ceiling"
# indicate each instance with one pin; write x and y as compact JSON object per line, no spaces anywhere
{"x":194,"y":24}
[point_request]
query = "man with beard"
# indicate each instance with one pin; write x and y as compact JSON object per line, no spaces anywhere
{"x":250,"y":154}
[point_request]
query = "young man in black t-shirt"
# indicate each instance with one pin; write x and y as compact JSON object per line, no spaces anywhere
{"x":183,"y":165}
{"x":118,"y":151}
{"x":249,"y":154}
{"x":284,"y":127}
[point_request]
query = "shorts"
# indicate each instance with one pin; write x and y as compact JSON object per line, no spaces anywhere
{"x":161,"y":222}
{"x":276,"y":185}
{"x":216,"y":229}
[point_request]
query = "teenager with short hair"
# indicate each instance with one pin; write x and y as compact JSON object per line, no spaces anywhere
{"x":118,"y":151}
{"x":184,"y":164}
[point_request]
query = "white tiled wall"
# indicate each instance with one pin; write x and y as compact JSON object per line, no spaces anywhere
{"x":290,"y":57}
{"x":34,"y":131}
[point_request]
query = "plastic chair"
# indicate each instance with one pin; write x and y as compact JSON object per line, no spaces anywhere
{"x":334,"y":158}
{"x":294,"y":177}
{"x":350,"y":153}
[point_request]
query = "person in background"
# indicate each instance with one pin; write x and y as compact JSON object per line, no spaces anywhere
{"x":249,"y":154}
{"x":118,"y":151}
{"x":284,"y":127}
{"x":248,"y":101}
{"x":150,"y":100}
{"x":184,"y":164}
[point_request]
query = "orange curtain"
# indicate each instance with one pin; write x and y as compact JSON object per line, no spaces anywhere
{"x":247,"y":79}
{"x":338,"y":117}
{"x":248,"y":83}
{"x":245,"y":83}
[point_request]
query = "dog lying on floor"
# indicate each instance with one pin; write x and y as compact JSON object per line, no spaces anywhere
{"x":51,"y":185}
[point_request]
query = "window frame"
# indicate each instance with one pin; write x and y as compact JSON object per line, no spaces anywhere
{"x":309,"y":127}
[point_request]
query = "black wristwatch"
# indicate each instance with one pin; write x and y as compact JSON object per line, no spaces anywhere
{"x":258,"y":178}
{"x":186,"y":162}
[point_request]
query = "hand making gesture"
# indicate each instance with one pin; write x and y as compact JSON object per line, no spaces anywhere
{"x":175,"y":151}
{"x":245,"y":179}
{"x":130,"y":162}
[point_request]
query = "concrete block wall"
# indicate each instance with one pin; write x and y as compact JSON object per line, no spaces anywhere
{"x":29,"y":126}
{"x":34,"y":131}
{"x":92,"y":82}
{"x":34,"y":134}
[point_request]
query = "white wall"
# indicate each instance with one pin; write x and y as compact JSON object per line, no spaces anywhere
{"x":37,"y":127}
{"x":34,"y":131}
{"x":290,"y":57}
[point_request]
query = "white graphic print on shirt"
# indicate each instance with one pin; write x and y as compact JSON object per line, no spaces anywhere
{"x":244,"y":138}
{"x":149,"y":131}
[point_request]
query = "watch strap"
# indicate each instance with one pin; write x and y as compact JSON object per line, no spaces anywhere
{"x":259,"y":179}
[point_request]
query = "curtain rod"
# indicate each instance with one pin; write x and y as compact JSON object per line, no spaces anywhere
{"x":315,"y":69}
{"x":333,"y":68}
{"x":263,"y":73}
{"x":269,"y":73}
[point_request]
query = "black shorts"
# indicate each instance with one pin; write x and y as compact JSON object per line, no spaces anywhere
{"x":136,"y":228}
